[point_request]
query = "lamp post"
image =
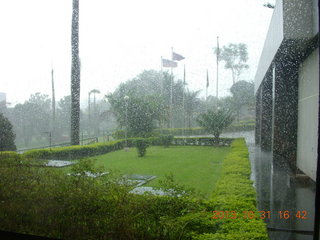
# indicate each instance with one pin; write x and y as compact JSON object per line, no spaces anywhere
{"x":94,"y":91}
{"x":126,"y":99}
{"x":89,"y":123}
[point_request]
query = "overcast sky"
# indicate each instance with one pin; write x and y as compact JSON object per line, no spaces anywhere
{"x":121,"y":38}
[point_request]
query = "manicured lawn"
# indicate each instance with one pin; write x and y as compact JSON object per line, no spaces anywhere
{"x":194,"y":166}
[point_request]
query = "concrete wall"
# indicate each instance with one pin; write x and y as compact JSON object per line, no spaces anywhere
{"x":272,"y":43}
{"x":308,"y":95}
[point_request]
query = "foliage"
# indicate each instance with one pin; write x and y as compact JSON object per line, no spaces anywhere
{"x":243,"y":94}
{"x":234,"y":192}
{"x":30,"y":119}
{"x":63,"y":117}
{"x":141,"y":145}
{"x":158,"y":85}
{"x":246,"y":125}
{"x":140,"y":112}
{"x":192,"y":102}
{"x":215,"y":121}
{"x":235,"y":57}
{"x":7,"y":135}
{"x":202,"y":141}
{"x":166,"y":140}
{"x":43,"y":201}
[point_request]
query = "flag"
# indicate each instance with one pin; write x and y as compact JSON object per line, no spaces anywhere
{"x":177,"y":57}
{"x":169,"y":63}
{"x":207,"y":79}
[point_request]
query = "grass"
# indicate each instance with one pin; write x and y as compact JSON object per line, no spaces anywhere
{"x":193,"y":166}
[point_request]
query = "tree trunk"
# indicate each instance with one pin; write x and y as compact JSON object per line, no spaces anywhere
{"x":75,"y":76}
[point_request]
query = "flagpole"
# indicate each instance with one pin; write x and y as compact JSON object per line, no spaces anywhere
{"x":171,"y":93}
{"x":218,"y":53}
{"x":183,"y":99}
{"x":207,"y":85}
{"x":161,"y":74}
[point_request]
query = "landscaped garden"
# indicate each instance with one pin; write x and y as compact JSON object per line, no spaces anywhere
{"x":197,"y":167}
{"x":46,"y":201}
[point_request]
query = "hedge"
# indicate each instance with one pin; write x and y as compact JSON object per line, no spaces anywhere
{"x":76,"y":152}
{"x":234,"y":192}
{"x":50,"y":204}
{"x":235,"y":127}
{"x":8,"y":154}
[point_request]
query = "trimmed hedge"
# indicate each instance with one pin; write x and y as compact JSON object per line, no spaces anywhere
{"x":234,"y":192}
{"x":47,"y":203}
{"x":8,"y":154}
{"x":202,"y":141}
{"x":76,"y":152}
{"x":235,"y":127}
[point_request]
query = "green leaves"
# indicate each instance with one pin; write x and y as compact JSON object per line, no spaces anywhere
{"x":142,"y":145}
{"x":7,"y":135}
{"x":215,"y":121}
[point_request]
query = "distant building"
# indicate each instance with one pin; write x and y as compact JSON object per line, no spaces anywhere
{"x":287,"y":86}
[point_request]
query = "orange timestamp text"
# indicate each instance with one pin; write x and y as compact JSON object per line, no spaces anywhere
{"x":285,"y":214}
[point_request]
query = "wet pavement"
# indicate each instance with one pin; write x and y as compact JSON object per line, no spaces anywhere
{"x":286,"y":198}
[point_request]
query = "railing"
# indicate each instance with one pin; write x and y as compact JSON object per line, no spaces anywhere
{"x":85,"y":141}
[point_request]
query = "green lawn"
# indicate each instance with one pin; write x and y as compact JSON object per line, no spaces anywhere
{"x":193,"y":166}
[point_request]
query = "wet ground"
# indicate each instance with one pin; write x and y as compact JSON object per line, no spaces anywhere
{"x":286,"y":199}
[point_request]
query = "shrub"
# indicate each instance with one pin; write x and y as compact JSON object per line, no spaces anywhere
{"x":141,"y":145}
{"x":166,"y":140}
{"x":43,"y":201}
{"x":234,"y":192}
{"x":215,"y":121}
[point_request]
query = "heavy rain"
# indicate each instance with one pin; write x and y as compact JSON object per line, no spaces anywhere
{"x":142,"y":119}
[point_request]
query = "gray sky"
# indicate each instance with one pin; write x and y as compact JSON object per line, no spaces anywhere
{"x":121,"y":38}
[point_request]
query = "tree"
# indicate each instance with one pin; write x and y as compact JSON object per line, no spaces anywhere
{"x":7,"y":135}
{"x":191,"y":104}
{"x":157,"y":84}
{"x":63,"y":117}
{"x":243,"y":94}
{"x":142,"y":113}
{"x":215,"y":121}
{"x":235,"y":57}
{"x":75,"y":76}
{"x":30,"y":119}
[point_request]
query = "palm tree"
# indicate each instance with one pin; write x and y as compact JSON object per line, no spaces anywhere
{"x":75,"y":76}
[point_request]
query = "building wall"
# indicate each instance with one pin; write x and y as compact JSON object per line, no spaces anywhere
{"x":308,"y":96}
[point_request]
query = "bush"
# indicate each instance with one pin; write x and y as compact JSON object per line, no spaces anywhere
{"x":76,"y":152}
{"x":234,"y":192}
{"x":141,"y":145}
{"x":202,"y":141}
{"x":43,"y":201}
{"x":166,"y":140}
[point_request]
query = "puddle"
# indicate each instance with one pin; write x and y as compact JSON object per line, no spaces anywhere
{"x":58,"y":163}
{"x":89,"y":174}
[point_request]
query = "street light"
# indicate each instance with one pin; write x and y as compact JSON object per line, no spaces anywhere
{"x":126,"y":99}
{"x":94,"y":92}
